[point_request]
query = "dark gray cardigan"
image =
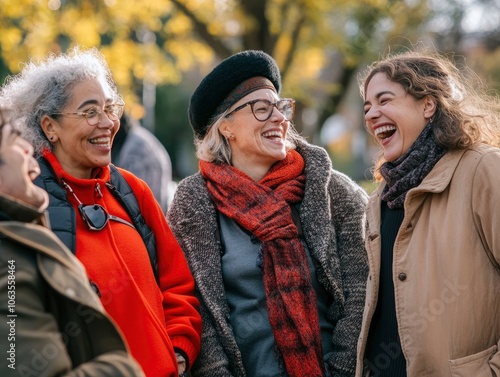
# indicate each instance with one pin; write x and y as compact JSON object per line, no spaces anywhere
{"x":332,"y":218}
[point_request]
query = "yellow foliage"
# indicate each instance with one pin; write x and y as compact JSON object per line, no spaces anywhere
{"x":308,"y":64}
{"x":11,"y":37}
{"x":155,"y":41}
{"x":183,"y":50}
{"x":179,"y":24}
{"x":82,"y":31}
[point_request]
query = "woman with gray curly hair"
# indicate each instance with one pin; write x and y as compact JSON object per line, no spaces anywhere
{"x":105,"y":215}
{"x":45,"y":286}
{"x":43,"y":89}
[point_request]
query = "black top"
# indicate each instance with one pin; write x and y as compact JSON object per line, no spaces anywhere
{"x":383,"y":355}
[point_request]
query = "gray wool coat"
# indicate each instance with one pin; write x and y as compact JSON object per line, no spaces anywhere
{"x":332,"y":218}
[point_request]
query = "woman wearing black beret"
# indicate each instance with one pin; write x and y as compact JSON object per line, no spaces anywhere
{"x":273,"y":235}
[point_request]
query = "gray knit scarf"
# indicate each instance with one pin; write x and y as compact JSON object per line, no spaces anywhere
{"x":409,"y":170}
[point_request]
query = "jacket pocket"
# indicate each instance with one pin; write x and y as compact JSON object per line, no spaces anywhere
{"x":476,"y":365}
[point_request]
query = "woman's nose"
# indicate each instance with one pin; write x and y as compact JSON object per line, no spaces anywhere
{"x":105,"y":121}
{"x":372,"y":113}
{"x":277,"y":116}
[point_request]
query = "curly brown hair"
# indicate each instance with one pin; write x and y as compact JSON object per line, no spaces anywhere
{"x":466,"y":113}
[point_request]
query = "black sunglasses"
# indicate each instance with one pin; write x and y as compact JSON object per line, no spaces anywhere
{"x":95,"y":216}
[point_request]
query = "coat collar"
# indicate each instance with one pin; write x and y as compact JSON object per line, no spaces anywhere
{"x":102,"y":173}
{"x":318,"y":170}
{"x":436,"y":181}
{"x":13,"y":209}
{"x":440,"y":177}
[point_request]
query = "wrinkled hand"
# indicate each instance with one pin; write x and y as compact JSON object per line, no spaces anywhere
{"x":181,"y":363}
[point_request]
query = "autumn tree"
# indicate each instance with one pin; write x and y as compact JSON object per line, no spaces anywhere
{"x":151,"y":45}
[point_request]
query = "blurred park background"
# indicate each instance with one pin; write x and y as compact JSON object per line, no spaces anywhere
{"x":159,"y":50}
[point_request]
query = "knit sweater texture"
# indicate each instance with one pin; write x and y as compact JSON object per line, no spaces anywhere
{"x":332,"y":219}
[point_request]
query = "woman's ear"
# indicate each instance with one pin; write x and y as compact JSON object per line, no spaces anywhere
{"x":430,"y":107}
{"x":226,"y":131}
{"x":48,"y":127}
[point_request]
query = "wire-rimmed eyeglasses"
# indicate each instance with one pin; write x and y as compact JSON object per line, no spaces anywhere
{"x":94,"y":215}
{"x":93,"y":114}
{"x":262,"y":109}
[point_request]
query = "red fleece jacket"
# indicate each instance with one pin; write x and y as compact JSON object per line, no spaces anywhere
{"x":154,"y":320}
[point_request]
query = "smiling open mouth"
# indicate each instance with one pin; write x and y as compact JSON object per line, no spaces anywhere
{"x":272,"y":135}
{"x":102,"y":141}
{"x":383,"y":133}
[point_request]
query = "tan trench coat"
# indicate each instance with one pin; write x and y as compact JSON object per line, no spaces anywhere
{"x":447,"y":290}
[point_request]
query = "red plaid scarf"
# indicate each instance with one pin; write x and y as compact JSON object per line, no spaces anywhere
{"x":263,"y":208}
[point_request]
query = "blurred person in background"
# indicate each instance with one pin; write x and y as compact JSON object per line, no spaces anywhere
{"x":105,"y":215}
{"x":53,"y":323}
{"x":273,"y":235}
{"x":137,"y":150}
{"x":433,"y":240}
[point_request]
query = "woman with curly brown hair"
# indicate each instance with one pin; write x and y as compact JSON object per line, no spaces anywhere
{"x":432,"y":306}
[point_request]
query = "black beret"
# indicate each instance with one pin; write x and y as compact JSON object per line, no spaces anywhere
{"x":226,"y":76}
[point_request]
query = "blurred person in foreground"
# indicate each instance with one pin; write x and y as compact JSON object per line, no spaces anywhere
{"x":105,"y":215}
{"x":53,"y":324}
{"x":273,"y":235}
{"x":433,"y":239}
{"x":138,"y":150}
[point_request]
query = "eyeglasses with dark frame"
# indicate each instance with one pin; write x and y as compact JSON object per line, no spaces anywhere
{"x":93,"y":114}
{"x":262,"y":109}
{"x":94,"y":215}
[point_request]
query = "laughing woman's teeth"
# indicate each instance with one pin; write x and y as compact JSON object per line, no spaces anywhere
{"x":272,"y":134}
{"x":102,"y":141}
{"x":385,"y":132}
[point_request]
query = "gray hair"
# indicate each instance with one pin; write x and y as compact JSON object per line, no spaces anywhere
{"x":44,"y":88}
{"x":214,"y":147}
